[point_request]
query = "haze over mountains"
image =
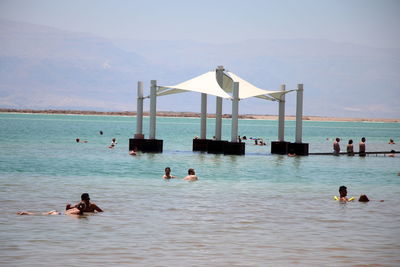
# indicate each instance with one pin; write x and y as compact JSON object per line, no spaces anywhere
{"x":43,"y":67}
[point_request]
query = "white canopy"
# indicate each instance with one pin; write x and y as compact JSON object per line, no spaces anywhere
{"x":206,"y":83}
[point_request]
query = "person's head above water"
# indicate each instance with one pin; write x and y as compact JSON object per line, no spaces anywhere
{"x":167,"y":170}
{"x":363,"y":198}
{"x":191,"y":171}
{"x":85,"y":197}
{"x":343,"y":191}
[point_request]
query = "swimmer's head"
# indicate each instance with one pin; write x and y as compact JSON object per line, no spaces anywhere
{"x":167,"y":170}
{"x":191,"y":171}
{"x":77,"y":140}
{"x":350,"y":141}
{"x":363,"y":198}
{"x":343,"y":191}
{"x":85,"y":197}
{"x":337,"y":139}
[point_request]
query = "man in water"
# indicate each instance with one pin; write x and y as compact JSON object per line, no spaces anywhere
{"x":191,"y":176}
{"x":343,"y":194}
{"x":362,"y":147}
{"x":85,"y":205}
{"x":336,"y":147}
{"x":167,"y":174}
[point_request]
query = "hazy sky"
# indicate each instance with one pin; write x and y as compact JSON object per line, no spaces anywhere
{"x":369,"y":22}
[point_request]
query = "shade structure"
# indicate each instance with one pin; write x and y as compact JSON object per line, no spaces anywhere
{"x":248,"y":90}
{"x":205,"y":83}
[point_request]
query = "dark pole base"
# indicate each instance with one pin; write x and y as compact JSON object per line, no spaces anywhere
{"x":234,"y":148}
{"x":146,"y":145}
{"x":300,"y":149}
{"x":201,"y":144}
{"x":216,"y":146}
{"x":279,"y":147}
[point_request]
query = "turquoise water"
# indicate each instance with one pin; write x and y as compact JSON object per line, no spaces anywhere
{"x":253,"y":210}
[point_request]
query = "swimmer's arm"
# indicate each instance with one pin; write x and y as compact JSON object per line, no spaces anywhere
{"x":97,"y":208}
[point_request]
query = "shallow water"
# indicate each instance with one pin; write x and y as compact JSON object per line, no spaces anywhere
{"x":253,"y":210}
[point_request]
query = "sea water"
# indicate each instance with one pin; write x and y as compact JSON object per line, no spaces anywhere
{"x":253,"y":210}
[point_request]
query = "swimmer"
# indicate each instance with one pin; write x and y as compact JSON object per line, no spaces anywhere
{"x":72,"y":211}
{"x":133,"y":152}
{"x":343,"y":194}
{"x":101,"y":132}
{"x":291,"y":153}
{"x":85,"y":205}
{"x":392,"y":154}
{"x":113,"y":143}
{"x":364,"y":198}
{"x":167,"y":174}
{"x":80,"y":141}
{"x":191,"y":176}
{"x":391,"y":142}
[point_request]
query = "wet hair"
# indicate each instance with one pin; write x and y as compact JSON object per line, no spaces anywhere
{"x":337,"y":139}
{"x":342,"y":188}
{"x":77,"y":140}
{"x":190,"y":171}
{"x":167,"y":168}
{"x":363,"y":198}
{"x":363,"y":139}
{"x":85,"y":196}
{"x":350,"y":141}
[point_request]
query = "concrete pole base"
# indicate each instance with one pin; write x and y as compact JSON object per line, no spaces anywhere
{"x":234,"y":148}
{"x":279,"y":147}
{"x":300,"y":149}
{"x":201,"y":144}
{"x":146,"y":145}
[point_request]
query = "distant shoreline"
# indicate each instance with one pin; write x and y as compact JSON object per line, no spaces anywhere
{"x":191,"y":115}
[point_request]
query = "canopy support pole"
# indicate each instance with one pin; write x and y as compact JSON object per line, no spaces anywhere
{"x":299,"y":114}
{"x":218,"y":118}
{"x":235,"y":112}
{"x":153,"y":106}
{"x":281,"y":127}
{"x":139,"y":111}
{"x":203,"y":117}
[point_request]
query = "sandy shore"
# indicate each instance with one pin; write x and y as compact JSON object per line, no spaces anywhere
{"x":194,"y":114}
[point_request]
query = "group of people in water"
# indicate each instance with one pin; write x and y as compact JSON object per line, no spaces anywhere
{"x":343,"y":196}
{"x":350,"y":147}
{"x":190,"y":177}
{"x":112,"y":145}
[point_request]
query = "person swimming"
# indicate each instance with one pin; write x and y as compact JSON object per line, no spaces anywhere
{"x":85,"y":205}
{"x":191,"y":176}
{"x":167,"y":174}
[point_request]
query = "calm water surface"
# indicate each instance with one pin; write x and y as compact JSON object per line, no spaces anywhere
{"x":253,"y":210}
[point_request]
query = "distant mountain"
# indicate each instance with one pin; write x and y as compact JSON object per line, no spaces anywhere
{"x":43,"y":67}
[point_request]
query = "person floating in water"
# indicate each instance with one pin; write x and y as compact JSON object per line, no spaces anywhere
{"x":76,"y":210}
{"x":336,"y":147}
{"x":191,"y":176}
{"x":113,"y":143}
{"x":362,"y":147}
{"x":343,"y":195}
{"x":133,"y":152}
{"x":80,"y":141}
{"x":167,"y":174}
{"x":85,"y":205}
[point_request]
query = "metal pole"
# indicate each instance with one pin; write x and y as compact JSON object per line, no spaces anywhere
{"x":235,"y":112}
{"x":281,"y":128}
{"x":139,"y":111}
{"x":203,"y":117}
{"x":153,"y":105}
{"x":218,"y":109}
{"x":299,"y":113}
